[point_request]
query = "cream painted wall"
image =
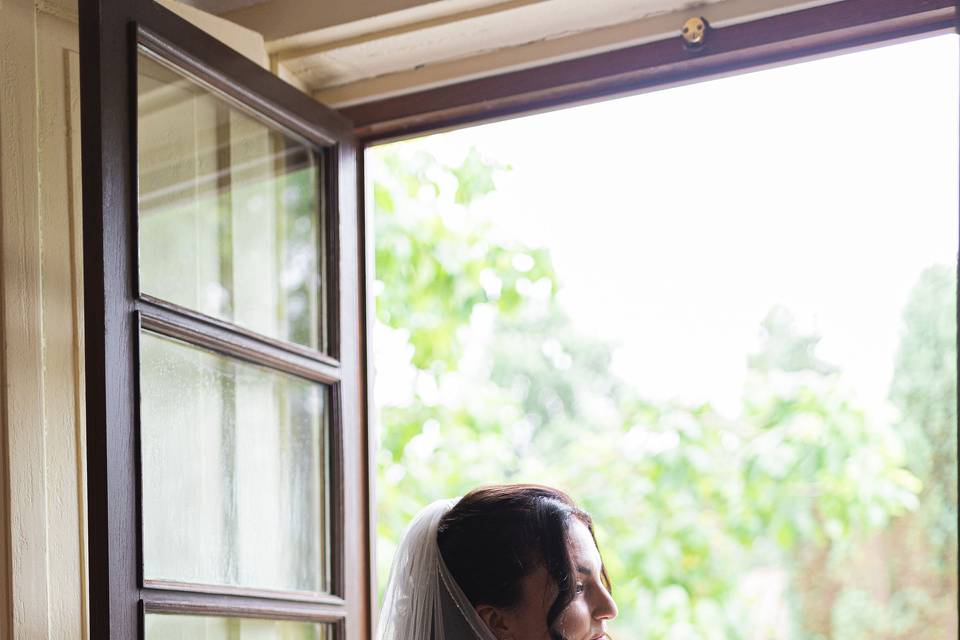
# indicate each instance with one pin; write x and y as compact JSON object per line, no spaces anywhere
{"x":43,"y":570}
{"x":288,"y":17}
{"x":249,"y":43}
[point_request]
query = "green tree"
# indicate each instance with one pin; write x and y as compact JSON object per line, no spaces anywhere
{"x":924,"y":389}
{"x":435,"y":260}
{"x":436,"y":268}
{"x":689,"y":503}
{"x":923,"y":547}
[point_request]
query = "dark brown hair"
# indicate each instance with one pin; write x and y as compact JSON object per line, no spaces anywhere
{"x":495,"y":536}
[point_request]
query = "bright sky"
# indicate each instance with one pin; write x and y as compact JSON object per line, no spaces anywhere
{"x":676,"y":219}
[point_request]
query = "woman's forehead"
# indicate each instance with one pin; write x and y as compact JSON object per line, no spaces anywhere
{"x":582,"y":547}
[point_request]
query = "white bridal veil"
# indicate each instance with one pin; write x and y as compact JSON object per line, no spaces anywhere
{"x":423,"y":601}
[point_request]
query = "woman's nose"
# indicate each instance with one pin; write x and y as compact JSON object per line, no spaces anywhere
{"x":606,"y":608}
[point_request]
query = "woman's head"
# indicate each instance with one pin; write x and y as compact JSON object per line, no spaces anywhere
{"x":526,"y":558}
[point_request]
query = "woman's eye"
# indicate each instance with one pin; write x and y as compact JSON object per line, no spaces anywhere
{"x":579,"y":588}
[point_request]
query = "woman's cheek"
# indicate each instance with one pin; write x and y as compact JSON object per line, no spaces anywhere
{"x":575,"y":621}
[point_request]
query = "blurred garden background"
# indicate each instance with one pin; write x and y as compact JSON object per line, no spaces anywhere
{"x":722,"y":317}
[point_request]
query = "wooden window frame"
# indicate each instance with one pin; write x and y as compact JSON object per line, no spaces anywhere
{"x":831,"y":29}
{"x":112,"y":33}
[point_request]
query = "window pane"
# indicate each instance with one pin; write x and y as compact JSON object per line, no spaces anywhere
{"x":228,"y":210}
{"x":177,"y":627}
{"x":234,"y":471}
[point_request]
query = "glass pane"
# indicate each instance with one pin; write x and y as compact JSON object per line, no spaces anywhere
{"x":177,"y":627}
{"x":228,"y":210}
{"x":234,"y":471}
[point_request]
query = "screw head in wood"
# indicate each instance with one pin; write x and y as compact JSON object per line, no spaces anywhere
{"x":694,"y":32}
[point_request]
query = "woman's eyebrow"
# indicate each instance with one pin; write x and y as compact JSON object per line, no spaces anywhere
{"x":584,"y":570}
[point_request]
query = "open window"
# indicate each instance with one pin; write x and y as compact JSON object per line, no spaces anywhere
{"x":690,"y":335}
{"x":225,"y":335}
{"x":497,"y":386}
{"x":226,"y":450}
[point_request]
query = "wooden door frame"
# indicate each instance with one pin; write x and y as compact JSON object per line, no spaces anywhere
{"x":110,"y":33}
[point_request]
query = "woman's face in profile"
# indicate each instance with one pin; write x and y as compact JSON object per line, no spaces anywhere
{"x":585,"y":618}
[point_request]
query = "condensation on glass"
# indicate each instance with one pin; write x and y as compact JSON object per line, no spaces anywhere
{"x":235,"y":475}
{"x":184,"y":627}
{"x":228,"y":210}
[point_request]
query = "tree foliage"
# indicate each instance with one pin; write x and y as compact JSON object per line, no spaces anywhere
{"x":700,"y":515}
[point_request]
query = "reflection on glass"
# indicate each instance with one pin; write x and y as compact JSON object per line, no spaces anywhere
{"x":180,"y":627}
{"x":228,"y":210}
{"x":234,"y":471}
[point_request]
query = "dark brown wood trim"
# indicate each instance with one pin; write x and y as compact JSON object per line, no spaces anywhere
{"x":337,"y":526}
{"x":356,"y":469}
{"x":326,"y":252}
{"x":248,"y":351}
{"x":841,"y":26}
{"x":106,"y":162}
{"x":330,"y":256}
{"x":160,"y":601}
{"x":260,"y":594}
{"x":368,"y":319}
{"x":111,"y":32}
{"x":229,"y":332}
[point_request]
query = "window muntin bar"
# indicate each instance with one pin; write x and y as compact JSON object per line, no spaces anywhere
{"x":191,"y":627}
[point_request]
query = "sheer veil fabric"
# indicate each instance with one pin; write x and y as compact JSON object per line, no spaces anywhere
{"x":423,"y":601}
